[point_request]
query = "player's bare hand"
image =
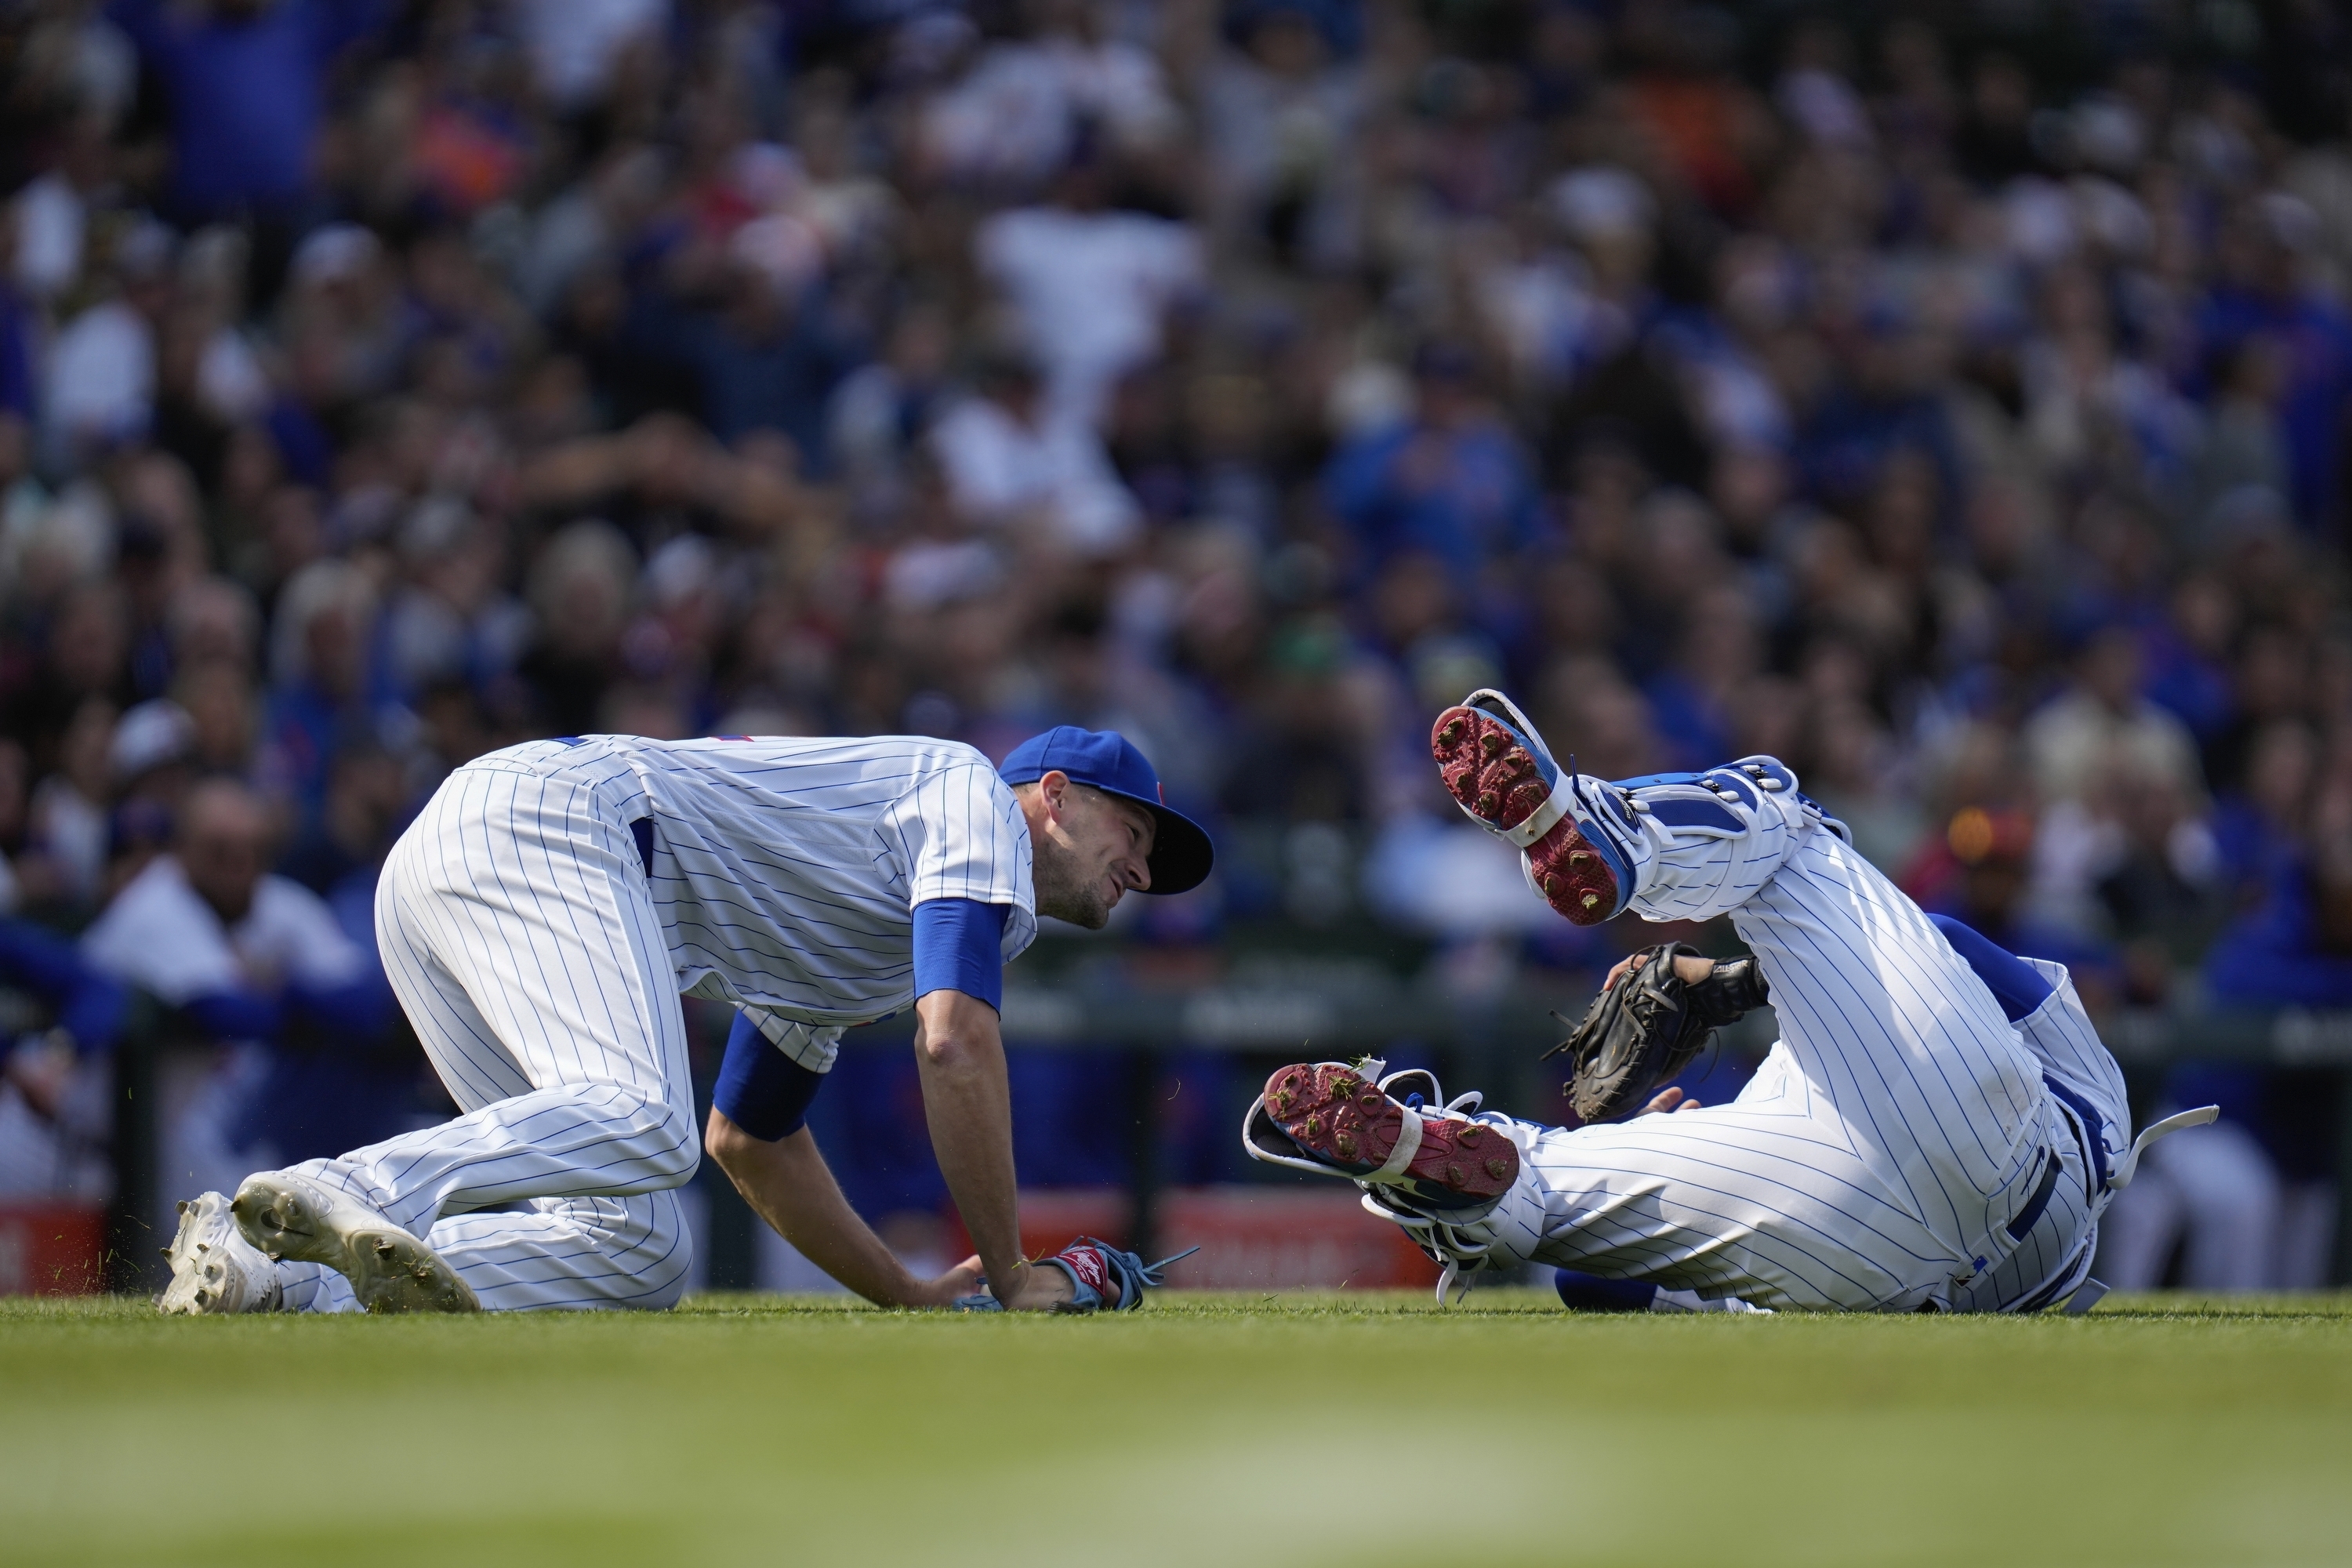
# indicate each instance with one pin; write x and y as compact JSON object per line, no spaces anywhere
{"x":1668,"y":1100}
{"x":1692,"y":968}
{"x":966,"y":1278}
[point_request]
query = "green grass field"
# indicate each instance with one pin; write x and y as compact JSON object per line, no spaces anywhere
{"x":1358,"y":1431}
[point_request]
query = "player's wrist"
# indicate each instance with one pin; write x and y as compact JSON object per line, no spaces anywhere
{"x":1032,"y":1288}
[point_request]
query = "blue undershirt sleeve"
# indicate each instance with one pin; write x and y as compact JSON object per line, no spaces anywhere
{"x":959,"y":946}
{"x":2015,"y":985}
{"x":90,"y":1005}
{"x":760,"y":1089}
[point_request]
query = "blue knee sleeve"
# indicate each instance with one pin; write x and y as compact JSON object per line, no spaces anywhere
{"x":760,"y":1089}
{"x":2014,"y":983}
{"x":1581,"y":1292}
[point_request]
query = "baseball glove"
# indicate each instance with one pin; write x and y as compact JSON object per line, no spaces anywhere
{"x":1646,"y":1027}
{"x":1094,"y":1267}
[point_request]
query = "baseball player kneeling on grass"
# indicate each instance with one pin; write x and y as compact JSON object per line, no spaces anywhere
{"x":1938,"y":1127}
{"x":538,"y":921}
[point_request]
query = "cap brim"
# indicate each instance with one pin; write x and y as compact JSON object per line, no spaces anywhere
{"x":1182,"y":854}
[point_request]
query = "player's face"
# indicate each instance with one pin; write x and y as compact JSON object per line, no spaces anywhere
{"x":1099,"y":847}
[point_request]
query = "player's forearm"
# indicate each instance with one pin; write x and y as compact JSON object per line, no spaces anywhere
{"x":788,"y":1184}
{"x":969,"y":1108}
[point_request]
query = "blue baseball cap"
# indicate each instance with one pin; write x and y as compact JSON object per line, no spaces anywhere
{"x":1106,"y":760}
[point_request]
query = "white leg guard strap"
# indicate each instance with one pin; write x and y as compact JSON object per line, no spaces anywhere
{"x":2170,"y":1124}
{"x":1408,"y":1144}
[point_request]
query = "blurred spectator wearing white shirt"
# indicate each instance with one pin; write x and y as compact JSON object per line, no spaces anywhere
{"x":205,"y":930}
{"x":1010,"y":455}
{"x":1090,"y":285}
{"x":574,"y":46}
{"x":1015,"y":117}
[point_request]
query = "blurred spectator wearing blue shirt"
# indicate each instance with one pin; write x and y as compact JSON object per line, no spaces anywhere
{"x":1451,"y":481}
{"x":247,"y":82}
{"x":2262,"y":252}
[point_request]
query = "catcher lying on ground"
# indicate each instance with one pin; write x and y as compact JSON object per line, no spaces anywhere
{"x":1938,"y":1129}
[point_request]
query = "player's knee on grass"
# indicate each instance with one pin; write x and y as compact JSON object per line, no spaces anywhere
{"x":668,"y":1145}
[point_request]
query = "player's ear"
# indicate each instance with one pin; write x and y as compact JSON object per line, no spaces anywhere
{"x":1054,"y":787}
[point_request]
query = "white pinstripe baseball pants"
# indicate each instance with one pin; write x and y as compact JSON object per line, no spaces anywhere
{"x":1894,"y":1135}
{"x":518,"y":930}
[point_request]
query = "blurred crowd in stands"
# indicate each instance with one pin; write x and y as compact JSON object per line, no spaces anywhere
{"x":1949,"y":397}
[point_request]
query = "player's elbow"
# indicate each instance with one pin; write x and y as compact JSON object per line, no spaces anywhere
{"x":957,"y":1031}
{"x":727,"y":1144}
{"x":943,"y":1048}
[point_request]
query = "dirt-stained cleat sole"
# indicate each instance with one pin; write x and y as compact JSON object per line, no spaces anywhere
{"x":1336,"y":1115}
{"x":1489,"y":771}
{"x":290,"y":1215}
{"x":215,"y":1270}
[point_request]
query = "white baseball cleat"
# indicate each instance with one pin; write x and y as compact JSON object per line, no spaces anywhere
{"x":290,"y":1215}
{"x":214,"y":1268}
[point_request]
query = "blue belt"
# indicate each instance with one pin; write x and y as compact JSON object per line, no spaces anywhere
{"x":2089,"y":1136}
{"x":2037,"y":1203}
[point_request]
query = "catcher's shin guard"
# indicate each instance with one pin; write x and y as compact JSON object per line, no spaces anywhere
{"x":1673,"y":845}
{"x":1466,"y":1243}
{"x":1341,"y":1120}
{"x":1466,"y":1232}
{"x":1576,"y":836}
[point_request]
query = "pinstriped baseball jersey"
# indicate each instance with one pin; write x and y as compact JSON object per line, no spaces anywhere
{"x":1902,"y":1145}
{"x":538,"y":920}
{"x":785,"y":871}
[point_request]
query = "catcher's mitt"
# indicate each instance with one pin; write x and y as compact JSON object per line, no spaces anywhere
{"x":1647,"y":1027}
